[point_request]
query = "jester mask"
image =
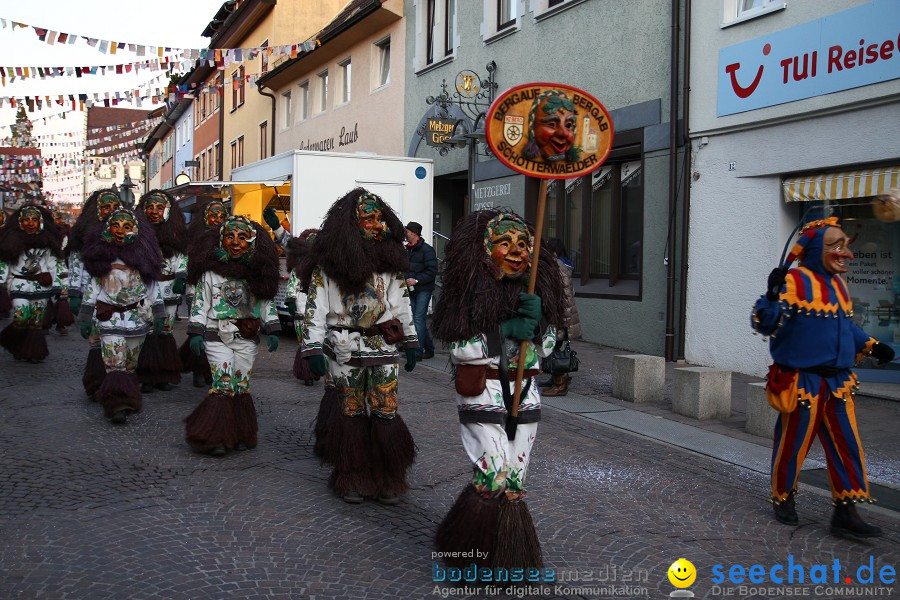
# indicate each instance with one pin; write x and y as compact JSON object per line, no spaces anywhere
{"x":371,"y":221}
{"x":30,"y":220}
{"x":237,"y":239}
{"x":121,"y":228}
{"x":508,"y":246}
{"x":157,"y":207}
{"x":106,"y":203}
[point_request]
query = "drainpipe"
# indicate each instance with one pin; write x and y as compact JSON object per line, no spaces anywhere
{"x":673,"y":192}
{"x":259,"y":89}
{"x":686,"y":179}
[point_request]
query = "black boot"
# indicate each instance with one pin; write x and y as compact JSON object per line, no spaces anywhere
{"x":846,"y":521}
{"x":199,"y":380}
{"x":785,"y":511}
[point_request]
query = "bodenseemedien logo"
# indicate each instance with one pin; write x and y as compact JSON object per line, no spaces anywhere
{"x":682,"y":574}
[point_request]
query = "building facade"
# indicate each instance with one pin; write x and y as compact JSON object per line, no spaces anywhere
{"x":615,"y":223}
{"x":790,"y":110}
{"x":347,"y":94}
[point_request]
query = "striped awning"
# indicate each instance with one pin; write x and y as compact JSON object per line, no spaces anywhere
{"x":840,"y":185}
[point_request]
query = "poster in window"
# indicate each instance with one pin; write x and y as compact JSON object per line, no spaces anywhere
{"x":549,"y":130}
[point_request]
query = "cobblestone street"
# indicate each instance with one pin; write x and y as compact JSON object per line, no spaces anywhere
{"x":92,"y":510}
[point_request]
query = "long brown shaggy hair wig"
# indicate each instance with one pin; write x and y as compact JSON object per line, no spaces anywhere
{"x":473,"y":301}
{"x":345,"y":256}
{"x":143,"y":254}
{"x":86,"y":222}
{"x":260,"y":271}
{"x":297,"y":252}
{"x":14,"y":241}
{"x":171,"y":234}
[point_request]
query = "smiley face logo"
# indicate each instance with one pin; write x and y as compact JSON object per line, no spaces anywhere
{"x":682,"y":573}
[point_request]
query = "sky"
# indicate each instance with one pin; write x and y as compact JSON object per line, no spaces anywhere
{"x":171,"y":23}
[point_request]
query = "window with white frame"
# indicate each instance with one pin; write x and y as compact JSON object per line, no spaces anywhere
{"x":323,"y":91}
{"x":436,"y":39}
{"x":736,"y":11}
{"x":344,"y":76}
{"x":303,"y":100}
{"x":506,"y":14}
{"x":287,"y":109}
{"x":382,"y":61}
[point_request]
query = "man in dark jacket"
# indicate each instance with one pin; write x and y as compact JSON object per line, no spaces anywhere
{"x":420,"y":281}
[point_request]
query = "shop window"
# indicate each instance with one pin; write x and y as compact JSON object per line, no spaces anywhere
{"x":600,"y":220}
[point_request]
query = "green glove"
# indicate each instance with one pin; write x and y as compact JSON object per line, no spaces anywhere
{"x":271,"y":218}
{"x":410,"y":359}
{"x":179,"y":286}
{"x":75,"y":304}
{"x":84,"y":327}
{"x":530,"y":307}
{"x":318,"y":365}
{"x":272,"y":342}
{"x":519,"y":328}
{"x":291,"y":304}
{"x":158,"y":325}
{"x":197,"y":345}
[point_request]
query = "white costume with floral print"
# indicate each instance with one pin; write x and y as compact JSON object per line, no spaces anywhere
{"x":218,"y":303}
{"x":29,"y":297}
{"x":499,"y":464}
{"x":122,"y":336}
{"x":174,"y":267}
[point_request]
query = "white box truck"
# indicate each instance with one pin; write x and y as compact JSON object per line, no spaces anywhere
{"x":302,"y":186}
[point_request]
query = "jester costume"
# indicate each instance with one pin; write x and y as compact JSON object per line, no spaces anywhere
{"x":808,"y":315}
{"x":483,"y":316}
{"x":203,"y":238}
{"x":329,"y":407}
{"x":98,"y":205}
{"x":123,"y":301}
{"x":159,"y":365}
{"x":233,"y":303}
{"x":357,"y":314}
{"x":30,"y":259}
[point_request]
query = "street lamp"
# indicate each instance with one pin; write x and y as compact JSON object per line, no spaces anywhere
{"x":125,"y":193}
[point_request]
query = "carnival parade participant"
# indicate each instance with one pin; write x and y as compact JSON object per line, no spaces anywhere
{"x":159,"y":365}
{"x":5,"y":302}
{"x":807,"y":312}
{"x":484,"y":314}
{"x":123,"y":299}
{"x":357,"y":314}
{"x":203,"y":236}
{"x":233,"y":303}
{"x":59,"y":313}
{"x":30,"y":253}
{"x":98,"y":205}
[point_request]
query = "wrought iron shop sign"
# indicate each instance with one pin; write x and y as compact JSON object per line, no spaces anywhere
{"x":549,"y":130}
{"x":438,"y":131}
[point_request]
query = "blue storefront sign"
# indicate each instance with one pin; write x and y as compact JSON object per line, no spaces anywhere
{"x":850,"y":49}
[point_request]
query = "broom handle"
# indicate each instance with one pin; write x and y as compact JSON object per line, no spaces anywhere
{"x":532,"y":283}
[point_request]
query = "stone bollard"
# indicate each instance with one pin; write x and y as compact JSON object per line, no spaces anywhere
{"x":760,"y":416}
{"x":702,"y":393}
{"x":638,"y":377}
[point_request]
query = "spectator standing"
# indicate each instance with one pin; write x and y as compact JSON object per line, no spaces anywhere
{"x":558,"y":385}
{"x":420,"y":278}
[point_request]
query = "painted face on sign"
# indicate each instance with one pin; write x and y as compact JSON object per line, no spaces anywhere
{"x":215,"y":214}
{"x":30,"y":220}
{"x":156,"y":209}
{"x":236,"y":239}
{"x":371,"y":220}
{"x":510,"y":249}
{"x":554,"y":128}
{"x":107,"y":203}
{"x":836,"y":252}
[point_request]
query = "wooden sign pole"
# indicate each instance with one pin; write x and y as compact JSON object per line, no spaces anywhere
{"x":512,"y":421}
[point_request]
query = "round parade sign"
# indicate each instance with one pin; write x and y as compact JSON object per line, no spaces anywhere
{"x":549,"y":130}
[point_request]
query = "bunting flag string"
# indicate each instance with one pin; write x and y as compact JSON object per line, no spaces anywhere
{"x":120,"y":126}
{"x":168,"y":64}
{"x":215,"y":57}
